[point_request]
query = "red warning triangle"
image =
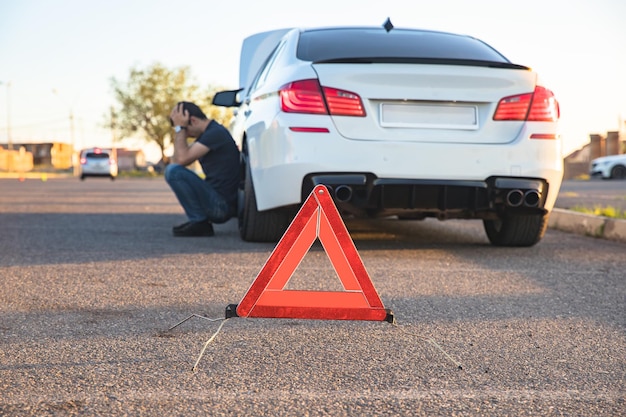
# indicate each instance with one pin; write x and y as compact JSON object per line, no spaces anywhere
{"x":318,"y":218}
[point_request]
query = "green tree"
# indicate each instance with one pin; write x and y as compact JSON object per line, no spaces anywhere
{"x":145,"y":100}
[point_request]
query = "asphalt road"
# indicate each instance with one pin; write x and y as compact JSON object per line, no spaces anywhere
{"x":91,"y":279}
{"x":593,"y":193}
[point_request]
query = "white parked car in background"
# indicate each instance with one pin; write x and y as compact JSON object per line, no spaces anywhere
{"x":98,"y":162}
{"x":609,"y":167}
{"x":395,"y":122}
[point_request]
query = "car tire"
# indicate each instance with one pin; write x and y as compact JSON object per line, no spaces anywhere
{"x":523,"y":230}
{"x":618,"y":172}
{"x":260,"y":226}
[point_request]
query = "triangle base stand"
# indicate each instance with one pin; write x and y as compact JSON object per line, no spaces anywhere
{"x":309,"y":313}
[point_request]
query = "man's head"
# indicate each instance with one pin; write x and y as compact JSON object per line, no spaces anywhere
{"x":193,"y":110}
{"x":190,"y":116}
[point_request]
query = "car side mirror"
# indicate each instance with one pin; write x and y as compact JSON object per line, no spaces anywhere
{"x":227,"y":98}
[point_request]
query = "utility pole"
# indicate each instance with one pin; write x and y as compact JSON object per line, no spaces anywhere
{"x":9,"y":138}
{"x":72,"y":130}
{"x":72,"y":134}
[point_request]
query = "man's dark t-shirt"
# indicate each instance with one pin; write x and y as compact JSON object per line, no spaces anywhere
{"x":221,"y":164}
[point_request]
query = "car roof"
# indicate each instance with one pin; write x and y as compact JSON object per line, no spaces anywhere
{"x":617,"y":157}
{"x":96,"y":150}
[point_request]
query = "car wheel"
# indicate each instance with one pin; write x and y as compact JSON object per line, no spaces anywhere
{"x":82,"y":178}
{"x":618,"y":172}
{"x":260,"y":226}
{"x":524,"y":230}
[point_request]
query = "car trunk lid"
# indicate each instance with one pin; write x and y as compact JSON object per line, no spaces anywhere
{"x":427,"y":103}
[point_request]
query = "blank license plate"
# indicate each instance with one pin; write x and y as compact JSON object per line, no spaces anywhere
{"x":431,"y":116}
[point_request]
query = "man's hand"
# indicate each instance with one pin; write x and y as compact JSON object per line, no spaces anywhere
{"x":184,"y":153}
{"x":179,"y":116}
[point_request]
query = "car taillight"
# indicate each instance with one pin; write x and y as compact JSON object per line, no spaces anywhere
{"x":302,"y":97}
{"x":545,"y":108}
{"x":343,"y":103}
{"x":307,"y":96}
{"x":539,"y":106}
{"x":83,"y":161}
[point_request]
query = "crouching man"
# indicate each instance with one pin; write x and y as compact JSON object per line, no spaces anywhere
{"x":214,"y":198}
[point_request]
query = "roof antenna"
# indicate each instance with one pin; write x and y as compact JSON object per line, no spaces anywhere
{"x":388,"y":25}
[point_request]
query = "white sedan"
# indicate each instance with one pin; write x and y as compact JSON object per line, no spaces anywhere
{"x":609,"y":167}
{"x":395,"y":122}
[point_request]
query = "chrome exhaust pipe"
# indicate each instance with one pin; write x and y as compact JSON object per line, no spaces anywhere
{"x":343,"y":193}
{"x":515,"y":198}
{"x":532,"y":198}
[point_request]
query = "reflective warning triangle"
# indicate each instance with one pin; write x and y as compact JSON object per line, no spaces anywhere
{"x":267,"y":297}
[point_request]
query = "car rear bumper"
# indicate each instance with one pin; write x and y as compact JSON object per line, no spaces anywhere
{"x":363,"y":194}
{"x":283,"y":166}
{"x":98,"y":174}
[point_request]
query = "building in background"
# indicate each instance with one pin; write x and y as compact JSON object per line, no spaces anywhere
{"x":45,"y":156}
{"x":577,"y":163}
{"x":131,"y":159}
{"x":56,"y":156}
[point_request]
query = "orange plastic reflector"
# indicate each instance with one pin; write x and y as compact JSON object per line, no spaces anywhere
{"x":309,"y":129}
{"x":549,"y":136}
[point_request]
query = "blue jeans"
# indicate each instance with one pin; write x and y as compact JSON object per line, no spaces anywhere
{"x":199,"y":200}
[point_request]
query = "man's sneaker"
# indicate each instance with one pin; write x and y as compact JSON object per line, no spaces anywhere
{"x":194,"y":229}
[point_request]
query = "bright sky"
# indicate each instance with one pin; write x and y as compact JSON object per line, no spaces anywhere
{"x":57,"y":56}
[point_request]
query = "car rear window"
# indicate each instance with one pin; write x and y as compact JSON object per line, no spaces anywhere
{"x":377,"y":44}
{"x":94,"y":155}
